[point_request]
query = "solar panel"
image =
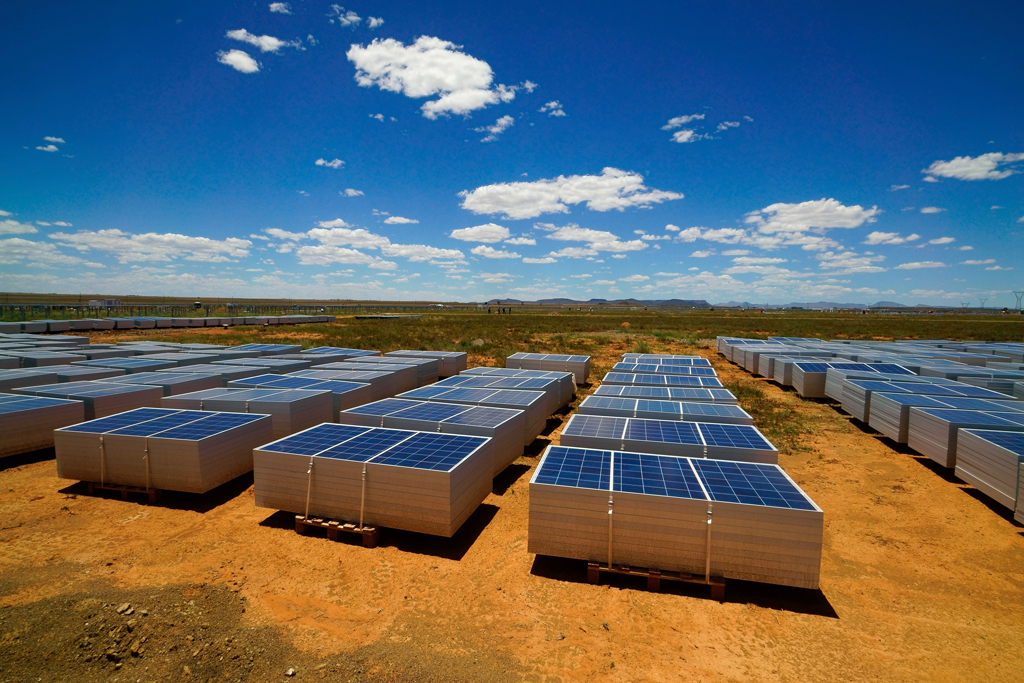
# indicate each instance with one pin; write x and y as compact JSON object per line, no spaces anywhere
{"x":482,"y":416}
{"x":29,"y":403}
{"x":1011,"y":441}
{"x":656,"y":475}
{"x":208,"y":426}
{"x":383,"y":407}
{"x":750,"y":483}
{"x":115,"y":422}
{"x":160,"y":424}
{"x":430,"y":392}
{"x":954,"y":415}
{"x":914,"y":399}
{"x":813,"y":367}
{"x":430,"y":451}
{"x":594,"y":425}
{"x":431,"y":411}
{"x":664,"y":431}
{"x":576,"y":467}
{"x":513,"y":397}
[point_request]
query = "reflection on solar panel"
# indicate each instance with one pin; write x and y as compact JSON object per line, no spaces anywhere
{"x":383,"y":407}
{"x":316,"y":439}
{"x":431,"y":411}
{"x":662,"y":430}
{"x":114,"y":422}
{"x":750,"y":484}
{"x":588,"y":425}
{"x":734,"y":436}
{"x":575,"y":467}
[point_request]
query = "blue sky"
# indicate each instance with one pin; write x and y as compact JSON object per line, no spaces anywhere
{"x":850,"y":152}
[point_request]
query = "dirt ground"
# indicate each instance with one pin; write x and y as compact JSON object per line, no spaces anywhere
{"x":922,"y":580}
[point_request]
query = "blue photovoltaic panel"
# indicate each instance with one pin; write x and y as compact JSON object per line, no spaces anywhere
{"x":257,"y":380}
{"x":383,"y":407}
{"x":431,"y":411}
{"x":735,"y":436}
{"x":954,"y":416}
{"x":751,"y":484}
{"x":151,"y":427}
{"x":921,"y":388}
{"x":915,"y":399}
{"x":367,"y":446}
{"x":215,"y":424}
{"x":595,"y":425}
{"x":871,"y":385}
{"x":514,"y":397}
{"x":114,"y":422}
{"x":967,"y":403}
{"x":609,"y":403}
{"x":656,"y":475}
{"x":429,"y":392}
{"x":576,"y":467}
{"x":30,"y":403}
{"x":974,"y":392}
{"x":664,"y":431}
{"x":712,"y":409}
{"x":668,"y":407}
{"x":891,"y":368}
{"x":431,"y":451}
{"x":711,"y":382}
{"x":457,"y":380}
{"x":462,"y":394}
{"x":483,"y":416}
{"x":812,"y":367}
{"x":1011,"y":441}
{"x":315,"y":439}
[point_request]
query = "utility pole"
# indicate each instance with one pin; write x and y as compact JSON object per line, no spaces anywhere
{"x":1020,"y":297}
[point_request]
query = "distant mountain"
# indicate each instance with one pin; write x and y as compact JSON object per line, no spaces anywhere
{"x":888,"y":304}
{"x":682,"y":303}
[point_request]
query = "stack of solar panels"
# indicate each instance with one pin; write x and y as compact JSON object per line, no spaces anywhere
{"x":1003,"y":384}
{"x":641,"y":380}
{"x":382,"y":384}
{"x":28,"y":377}
{"x":426,"y":368}
{"x":292,"y":410}
{"x":99,"y":398}
{"x":688,"y":439}
{"x":90,"y":353}
{"x":9,"y":363}
{"x":181,"y":359}
{"x":27,"y":422}
{"x":688,"y":394}
{"x":664,"y":410}
{"x":809,"y":378}
{"x":532,"y":403}
{"x":665,"y":359}
{"x":1018,"y":390}
{"x":172,"y":383}
{"x":450,"y":363}
{"x":577,"y":365}
{"x":341,"y":351}
{"x":70,"y":373}
{"x":129,"y":365}
{"x":551,"y":387}
{"x":417,"y":481}
{"x":155,"y":448}
{"x":503,"y":426}
{"x":406,"y":376}
{"x":270,"y":349}
{"x":649,"y":369}
{"x":275,"y":365}
{"x":932,"y":432}
{"x":735,"y":520}
{"x":40,"y":358}
{"x":766,"y":361}
{"x":991,"y":461}
{"x":567,"y":380}
{"x":346,"y":394}
{"x":889,"y":410}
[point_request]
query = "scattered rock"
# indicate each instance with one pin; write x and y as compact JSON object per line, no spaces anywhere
{"x":290,"y":672}
{"x":604,"y":625}
{"x":123,"y":607}
{"x":477,"y":342}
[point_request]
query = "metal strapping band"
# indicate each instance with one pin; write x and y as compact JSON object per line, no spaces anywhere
{"x":309,"y":484}
{"x":707,"y":557}
{"x":362,"y":498}
{"x":103,"y":462}
{"x":146,"y":458}
{"x":247,"y":406}
{"x":611,"y":506}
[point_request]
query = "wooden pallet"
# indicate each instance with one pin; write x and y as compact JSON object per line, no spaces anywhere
{"x":655,"y":576}
{"x":370,"y":534}
{"x":152,"y":494}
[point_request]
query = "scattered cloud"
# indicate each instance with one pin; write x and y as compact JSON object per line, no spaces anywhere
{"x":613,"y":189}
{"x":757,"y":261}
{"x":820,"y":214}
{"x":876,"y":237}
{"x":597,"y":240}
{"x":849,"y":262}
{"x":343,"y":18}
{"x":998,"y":268}
{"x":50,"y":138}
{"x":942,"y":240}
{"x":63,"y":224}
{"x":977,"y":262}
{"x":491,"y":252}
{"x":966,"y":247}
{"x":522,"y":241}
{"x":995,"y":206}
{"x":546,"y":259}
{"x":13,"y":227}
{"x":651,"y":238}
{"x":687,"y":135}
{"x":374,"y":22}
{"x":38,"y":254}
{"x":1021,"y":219}
{"x":5,"y":213}
{"x":264,"y":43}
{"x":553,"y":108}
{"x":379,"y":117}
{"x":634,"y":278}
{"x":896,"y":188}
{"x":991,"y":166}
{"x":325,"y":254}
{"x":672,"y":228}
{"x":735,"y":252}
{"x":499,"y":127}
{"x":748,"y":119}
{"x":48,"y":148}
{"x":238,"y":60}
{"x":349,"y":192}
{"x":151,"y":246}
{"x":429,"y":67}
{"x":487,"y":233}
{"x":726,"y":125}
{"x":930,"y":179}
{"x":931,"y":209}
{"x":336,"y":163}
{"x":915,"y":265}
{"x":678,"y":121}
{"x":280,"y":8}
{"x":398,"y":220}
{"x":703,"y":253}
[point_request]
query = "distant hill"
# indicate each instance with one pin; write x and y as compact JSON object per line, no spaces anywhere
{"x":682,"y":303}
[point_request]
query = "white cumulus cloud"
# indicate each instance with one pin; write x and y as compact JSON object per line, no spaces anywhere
{"x":487,"y":233}
{"x":336,"y":223}
{"x":915,"y":265}
{"x":546,"y":259}
{"x":877,"y":237}
{"x":48,"y":148}
{"x":50,"y":138}
{"x":238,"y":60}
{"x":686,"y":135}
{"x":978,"y":262}
{"x":499,"y":127}
{"x":374,"y":22}
{"x":13,"y":227}
{"x":613,"y":189}
{"x":552,"y":108}
{"x":522,"y":241}
{"x":491,"y":252}
{"x":281,"y":7}
{"x":634,"y":278}
{"x":151,"y":246}
{"x":942,"y":240}
{"x":264,"y":43}
{"x":336,"y":163}
{"x":991,"y":166}
{"x":726,"y":125}
{"x":429,"y":67}
{"x":349,"y":192}
{"x":398,"y":220}
{"x":931,"y":209}
{"x":343,"y":18}
{"x":678,"y":121}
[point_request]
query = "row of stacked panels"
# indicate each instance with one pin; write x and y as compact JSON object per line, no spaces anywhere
{"x":957,"y":404}
{"x":149,"y":323}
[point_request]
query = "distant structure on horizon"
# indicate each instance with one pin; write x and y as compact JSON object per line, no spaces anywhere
{"x":104,"y":303}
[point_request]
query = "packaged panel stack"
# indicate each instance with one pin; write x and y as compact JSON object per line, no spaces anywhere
{"x":405,"y":375}
{"x":70,"y":373}
{"x":629,"y":379}
{"x":345,"y":394}
{"x":338,"y":350}
{"x":382,"y":384}
{"x":41,"y":359}
{"x":427,"y":369}
{"x":551,"y":388}
{"x":99,"y":399}
{"x":1003,"y":384}
{"x":154,"y":448}
{"x":27,"y":422}
{"x":577,"y":365}
{"x":688,"y":394}
{"x":270,"y":349}
{"x":274,"y":365}
{"x":9,"y":363}
{"x":185,"y":359}
{"x":503,"y":426}
{"x":743,"y":443}
{"x":12,"y":379}
{"x":226,"y":373}
{"x":171,"y":383}
{"x":990,"y":461}
{"x":450,"y":363}
{"x":88,"y":353}
{"x":417,"y":481}
{"x":567,"y":380}
{"x":664,"y":410}
{"x":532,"y":403}
{"x":292,"y":410}
{"x":129,"y":365}
{"x":932,"y":432}
{"x":652,"y":369}
{"x":734,"y":520}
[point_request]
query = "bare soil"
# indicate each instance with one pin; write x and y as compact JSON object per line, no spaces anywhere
{"x":922,"y":579}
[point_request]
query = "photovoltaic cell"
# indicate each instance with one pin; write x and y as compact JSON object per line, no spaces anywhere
{"x":206,"y":427}
{"x":1011,"y":441}
{"x":656,"y":476}
{"x":576,"y":467}
{"x":483,"y":416}
{"x":366,"y":446}
{"x":736,"y":436}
